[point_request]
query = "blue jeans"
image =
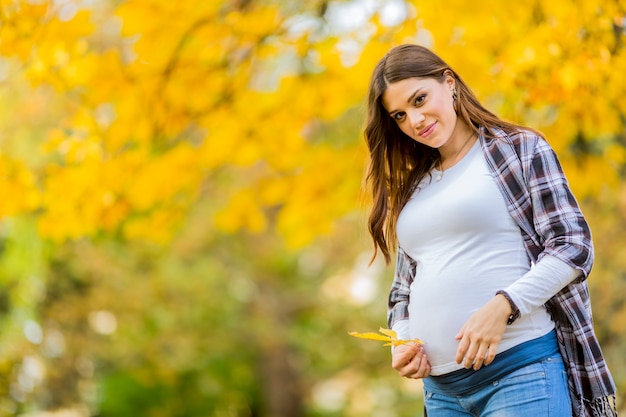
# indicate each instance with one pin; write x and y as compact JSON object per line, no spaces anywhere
{"x":537,"y":390}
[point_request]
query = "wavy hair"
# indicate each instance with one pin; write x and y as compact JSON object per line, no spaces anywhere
{"x":397,"y":162}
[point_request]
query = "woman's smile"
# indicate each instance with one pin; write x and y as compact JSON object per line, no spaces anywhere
{"x":424,"y":133}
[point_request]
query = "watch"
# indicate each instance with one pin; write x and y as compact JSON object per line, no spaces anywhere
{"x":515,"y":313}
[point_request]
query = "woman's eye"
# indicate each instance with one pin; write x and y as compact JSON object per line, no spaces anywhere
{"x":419,"y":99}
{"x":398,"y":116}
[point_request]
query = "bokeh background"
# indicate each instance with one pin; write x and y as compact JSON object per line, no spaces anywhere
{"x":182,"y":217}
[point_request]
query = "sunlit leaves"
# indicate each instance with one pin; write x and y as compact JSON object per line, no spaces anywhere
{"x":22,"y":23}
{"x":155,"y":88}
{"x":19,"y":186}
{"x":181,"y":76}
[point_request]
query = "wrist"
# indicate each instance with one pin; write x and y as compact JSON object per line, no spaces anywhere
{"x":514,"y":313}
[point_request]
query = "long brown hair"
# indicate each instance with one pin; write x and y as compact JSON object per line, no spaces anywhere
{"x":397,"y":162}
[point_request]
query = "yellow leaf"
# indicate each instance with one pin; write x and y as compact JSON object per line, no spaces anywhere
{"x":388,"y":335}
{"x":370,"y":336}
{"x":388,"y":332}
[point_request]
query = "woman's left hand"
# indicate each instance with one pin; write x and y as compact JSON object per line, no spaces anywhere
{"x":481,"y":334}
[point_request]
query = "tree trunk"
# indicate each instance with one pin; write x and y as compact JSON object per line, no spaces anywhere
{"x":280,"y":383}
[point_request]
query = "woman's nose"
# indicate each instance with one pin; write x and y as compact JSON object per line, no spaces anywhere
{"x":416,"y":118}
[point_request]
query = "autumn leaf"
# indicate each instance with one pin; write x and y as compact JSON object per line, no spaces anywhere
{"x":388,"y":335}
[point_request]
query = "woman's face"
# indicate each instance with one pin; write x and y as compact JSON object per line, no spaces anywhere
{"x":423,"y":109}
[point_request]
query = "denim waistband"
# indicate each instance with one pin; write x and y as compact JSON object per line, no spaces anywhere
{"x":464,"y":381}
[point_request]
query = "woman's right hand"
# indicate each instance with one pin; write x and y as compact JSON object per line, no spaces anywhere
{"x":410,"y":361}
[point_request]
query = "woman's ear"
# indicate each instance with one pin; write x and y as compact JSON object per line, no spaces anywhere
{"x":449,"y":79}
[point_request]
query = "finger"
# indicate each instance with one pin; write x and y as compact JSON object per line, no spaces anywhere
{"x":409,"y":370}
{"x":461,"y":351}
{"x":459,"y":335}
{"x":470,"y":356}
{"x":397,"y":362}
{"x":404,"y":367}
{"x":415,"y":365}
{"x":423,"y":368}
{"x":480,"y":357}
{"x":402,"y":355}
{"x":491,"y":355}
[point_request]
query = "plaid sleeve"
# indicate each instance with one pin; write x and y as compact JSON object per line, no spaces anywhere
{"x":557,"y":218}
{"x":399,"y":294}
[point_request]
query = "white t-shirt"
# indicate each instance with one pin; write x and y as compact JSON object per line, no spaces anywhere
{"x":467,"y":247}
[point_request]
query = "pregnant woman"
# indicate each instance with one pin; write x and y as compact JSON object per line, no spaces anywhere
{"x":492,"y":251}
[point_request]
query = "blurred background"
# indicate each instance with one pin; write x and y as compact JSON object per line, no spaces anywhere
{"x":182,"y":218}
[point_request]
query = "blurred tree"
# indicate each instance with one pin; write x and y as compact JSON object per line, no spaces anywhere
{"x":182,"y":228}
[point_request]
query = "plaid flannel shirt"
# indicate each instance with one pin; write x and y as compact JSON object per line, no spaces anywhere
{"x":540,"y":201}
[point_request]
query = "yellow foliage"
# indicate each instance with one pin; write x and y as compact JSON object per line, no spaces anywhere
{"x":157,"y":226}
{"x":18,"y":186}
{"x":160,"y":96}
{"x":242,"y":212}
{"x":163,"y":179}
{"x":22,"y":24}
{"x":266,"y":20}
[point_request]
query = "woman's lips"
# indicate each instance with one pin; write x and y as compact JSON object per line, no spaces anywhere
{"x":427,"y":130}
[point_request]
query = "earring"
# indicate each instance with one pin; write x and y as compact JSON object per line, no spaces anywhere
{"x":454,"y":101}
